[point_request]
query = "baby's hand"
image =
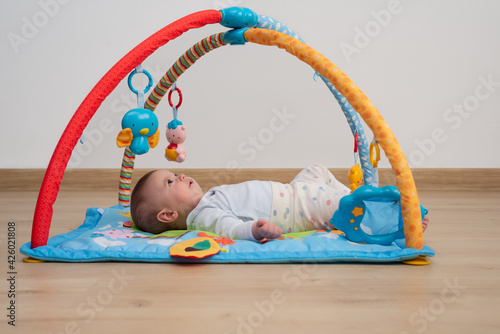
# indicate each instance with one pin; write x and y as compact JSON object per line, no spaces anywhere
{"x":262,"y":229}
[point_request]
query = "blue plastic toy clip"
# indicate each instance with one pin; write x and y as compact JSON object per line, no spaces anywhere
{"x":235,"y":36}
{"x":238,"y":17}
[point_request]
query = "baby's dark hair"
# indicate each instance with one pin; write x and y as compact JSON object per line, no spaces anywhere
{"x":143,"y":215}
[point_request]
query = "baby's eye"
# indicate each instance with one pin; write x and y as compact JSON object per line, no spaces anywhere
{"x":169,"y":182}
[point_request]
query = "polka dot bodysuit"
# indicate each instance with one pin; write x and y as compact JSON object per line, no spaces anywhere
{"x":308,"y":202}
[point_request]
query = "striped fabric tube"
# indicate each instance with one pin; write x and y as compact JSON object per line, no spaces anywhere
{"x":126,"y":178}
{"x":181,"y":65}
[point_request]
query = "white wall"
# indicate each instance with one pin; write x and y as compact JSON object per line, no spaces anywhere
{"x":426,"y":61}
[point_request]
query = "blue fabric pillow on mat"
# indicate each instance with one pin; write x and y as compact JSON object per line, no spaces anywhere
{"x":102,"y":237}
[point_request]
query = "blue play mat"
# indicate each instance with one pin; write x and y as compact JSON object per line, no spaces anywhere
{"x":102,"y":237}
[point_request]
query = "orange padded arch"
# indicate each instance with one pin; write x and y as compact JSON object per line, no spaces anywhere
{"x":383,"y":134}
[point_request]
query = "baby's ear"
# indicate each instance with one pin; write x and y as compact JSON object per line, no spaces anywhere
{"x":167,"y":216}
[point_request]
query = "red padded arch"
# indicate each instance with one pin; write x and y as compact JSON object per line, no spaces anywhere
{"x":62,"y":153}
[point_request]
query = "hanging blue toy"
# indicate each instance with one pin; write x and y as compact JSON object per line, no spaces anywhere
{"x":140,"y":126}
{"x":140,"y":131}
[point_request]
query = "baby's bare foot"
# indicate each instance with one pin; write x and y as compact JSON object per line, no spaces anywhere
{"x":425,"y":223}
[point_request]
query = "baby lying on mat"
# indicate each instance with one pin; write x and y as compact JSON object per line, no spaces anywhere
{"x":252,"y":210}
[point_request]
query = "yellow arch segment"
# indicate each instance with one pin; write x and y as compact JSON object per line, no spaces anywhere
{"x":383,"y":134}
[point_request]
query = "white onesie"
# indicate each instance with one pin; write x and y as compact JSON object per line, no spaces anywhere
{"x":307,"y":203}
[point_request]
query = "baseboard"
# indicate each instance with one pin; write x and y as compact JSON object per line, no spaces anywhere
{"x":107,"y":179}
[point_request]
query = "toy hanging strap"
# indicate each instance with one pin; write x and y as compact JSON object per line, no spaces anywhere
{"x":176,"y":131}
{"x":175,"y":109}
{"x":374,"y":160}
{"x":355,"y":175}
{"x":128,"y":160}
{"x":356,"y":155}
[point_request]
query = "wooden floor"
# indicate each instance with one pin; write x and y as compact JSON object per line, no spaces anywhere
{"x":459,"y":292}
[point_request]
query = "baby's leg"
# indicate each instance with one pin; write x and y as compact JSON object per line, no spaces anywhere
{"x":319,"y":174}
{"x":317,"y":196}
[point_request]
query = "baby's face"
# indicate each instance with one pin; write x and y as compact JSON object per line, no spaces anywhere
{"x":174,"y":192}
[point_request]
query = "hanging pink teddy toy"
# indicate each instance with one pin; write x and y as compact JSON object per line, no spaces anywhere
{"x":176,"y":134}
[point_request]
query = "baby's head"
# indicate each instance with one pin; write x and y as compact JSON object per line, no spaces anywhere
{"x":162,"y":200}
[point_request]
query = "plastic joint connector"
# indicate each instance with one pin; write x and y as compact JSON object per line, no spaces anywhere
{"x":238,"y":17}
{"x":235,"y":36}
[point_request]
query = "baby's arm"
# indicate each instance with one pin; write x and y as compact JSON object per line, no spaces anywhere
{"x":262,"y":229}
{"x":214,"y":214}
{"x":219,"y":221}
